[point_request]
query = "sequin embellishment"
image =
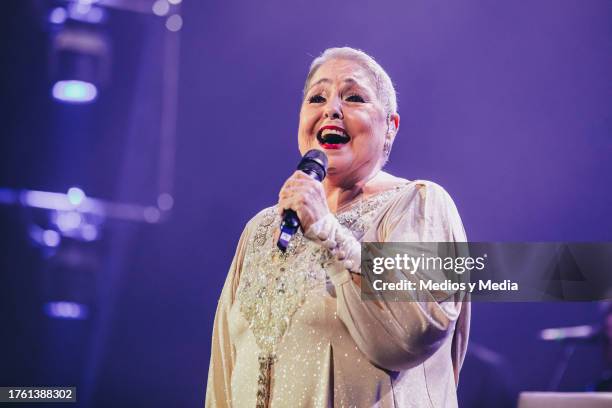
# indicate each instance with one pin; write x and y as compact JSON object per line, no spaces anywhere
{"x":273,"y":285}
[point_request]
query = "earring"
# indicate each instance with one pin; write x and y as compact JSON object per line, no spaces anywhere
{"x":387,"y":148}
{"x":387,"y":145}
{"x":390,"y":124}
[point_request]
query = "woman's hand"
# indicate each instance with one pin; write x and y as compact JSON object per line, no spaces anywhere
{"x":305,"y":196}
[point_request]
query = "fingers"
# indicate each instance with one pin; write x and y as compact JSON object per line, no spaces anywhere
{"x":300,"y":184}
{"x":295,"y":198}
{"x":298,"y":179}
{"x":305,"y":196}
{"x":291,"y":191}
{"x":299,"y":174}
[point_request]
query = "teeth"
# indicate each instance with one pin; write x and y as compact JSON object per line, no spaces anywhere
{"x":333,"y":131}
{"x":333,"y":136}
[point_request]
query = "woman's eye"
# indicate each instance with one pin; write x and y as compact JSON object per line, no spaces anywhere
{"x":355,"y":98}
{"x":316,"y":99}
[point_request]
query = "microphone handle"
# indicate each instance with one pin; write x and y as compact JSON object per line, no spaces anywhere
{"x":291,"y":223}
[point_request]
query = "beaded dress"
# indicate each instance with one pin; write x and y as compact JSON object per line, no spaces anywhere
{"x":291,"y":330}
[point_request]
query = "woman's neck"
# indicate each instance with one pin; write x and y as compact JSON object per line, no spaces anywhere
{"x":340,"y":194}
{"x":343,"y":192}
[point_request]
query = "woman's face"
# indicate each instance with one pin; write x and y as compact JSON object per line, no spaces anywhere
{"x":342,"y":116}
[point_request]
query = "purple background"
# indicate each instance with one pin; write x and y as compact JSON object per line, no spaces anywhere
{"x":508,"y":105}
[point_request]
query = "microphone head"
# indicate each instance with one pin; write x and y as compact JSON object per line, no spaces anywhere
{"x":314,"y":162}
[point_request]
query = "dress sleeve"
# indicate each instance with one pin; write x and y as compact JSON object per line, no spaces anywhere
{"x":222,"y":355}
{"x":397,"y":335}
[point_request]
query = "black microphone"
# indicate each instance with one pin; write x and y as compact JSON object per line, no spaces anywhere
{"x":314,"y":163}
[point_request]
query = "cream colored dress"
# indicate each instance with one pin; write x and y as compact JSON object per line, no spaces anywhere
{"x":328,"y":347}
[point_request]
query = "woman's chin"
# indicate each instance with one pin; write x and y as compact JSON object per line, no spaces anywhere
{"x":339,"y":170}
{"x":337,"y":163}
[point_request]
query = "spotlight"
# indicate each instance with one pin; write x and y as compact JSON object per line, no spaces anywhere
{"x":58,"y":15}
{"x":84,"y":12}
{"x":46,"y":238}
{"x":89,"y":232}
{"x":75,"y":195}
{"x":68,"y":221}
{"x":165,"y":202}
{"x":51,"y":238}
{"x":151,"y":215}
{"x":161,"y":7}
{"x":80,"y":62}
{"x":66,"y":310}
{"x":74,"y":91}
{"x":174,"y":22}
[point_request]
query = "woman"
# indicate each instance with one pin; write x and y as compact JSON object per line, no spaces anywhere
{"x":291,"y":329}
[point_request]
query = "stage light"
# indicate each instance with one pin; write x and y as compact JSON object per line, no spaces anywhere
{"x":174,"y":22}
{"x":584,"y":332}
{"x":79,"y":61}
{"x":44,"y":237}
{"x":174,"y":2}
{"x":89,"y":232}
{"x":86,"y":13}
{"x":161,"y":7}
{"x":151,"y":215}
{"x":75,"y":196}
{"x":51,"y":238}
{"x":67,"y":221}
{"x":165,"y":202}
{"x":66,"y":310}
{"x":58,"y":15}
{"x":74,"y":91}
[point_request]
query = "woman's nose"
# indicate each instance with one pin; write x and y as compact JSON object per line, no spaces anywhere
{"x":333,"y":110}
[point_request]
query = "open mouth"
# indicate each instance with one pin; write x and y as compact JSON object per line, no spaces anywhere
{"x":332,"y":137}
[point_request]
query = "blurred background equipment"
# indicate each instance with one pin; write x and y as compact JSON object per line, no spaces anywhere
{"x":103,"y":170}
{"x":490,"y":380}
{"x":564,"y":400}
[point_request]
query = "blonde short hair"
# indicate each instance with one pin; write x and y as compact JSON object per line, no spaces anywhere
{"x":384,"y":87}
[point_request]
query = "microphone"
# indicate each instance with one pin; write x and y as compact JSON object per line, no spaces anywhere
{"x":584,"y":333}
{"x":313,"y":163}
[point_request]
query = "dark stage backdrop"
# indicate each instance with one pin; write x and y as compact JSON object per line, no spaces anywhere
{"x":508,"y":105}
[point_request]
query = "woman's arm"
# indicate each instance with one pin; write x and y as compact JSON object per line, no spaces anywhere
{"x":218,"y":389}
{"x":397,"y":335}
